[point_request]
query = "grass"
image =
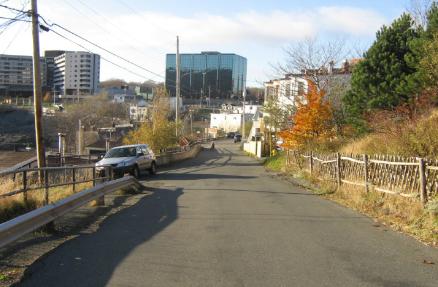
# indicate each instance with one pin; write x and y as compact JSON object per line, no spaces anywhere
{"x":15,"y":205}
{"x":401,"y":214}
{"x":276,"y":163}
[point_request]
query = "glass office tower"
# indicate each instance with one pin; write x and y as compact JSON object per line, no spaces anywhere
{"x":209,"y":75}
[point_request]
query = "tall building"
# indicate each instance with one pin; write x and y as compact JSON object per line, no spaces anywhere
{"x":76,"y":73}
{"x":16,"y":75}
{"x":50,"y":64}
{"x":208,"y":75}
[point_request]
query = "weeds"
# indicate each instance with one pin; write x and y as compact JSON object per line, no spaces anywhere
{"x":13,"y":206}
{"x":276,"y":163}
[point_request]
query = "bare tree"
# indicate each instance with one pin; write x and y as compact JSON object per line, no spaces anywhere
{"x":313,"y":58}
{"x":418,"y":9}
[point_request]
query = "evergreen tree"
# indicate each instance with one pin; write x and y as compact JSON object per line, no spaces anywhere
{"x":383,"y":80}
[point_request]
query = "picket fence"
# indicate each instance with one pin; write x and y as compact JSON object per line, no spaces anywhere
{"x":404,"y":176}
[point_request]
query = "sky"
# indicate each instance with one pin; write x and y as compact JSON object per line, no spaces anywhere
{"x":143,"y":31}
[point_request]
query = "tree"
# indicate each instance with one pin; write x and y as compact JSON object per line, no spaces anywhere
{"x":313,"y":57}
{"x":312,"y":123}
{"x":383,"y":80}
{"x":159,"y":132}
{"x":95,"y":112}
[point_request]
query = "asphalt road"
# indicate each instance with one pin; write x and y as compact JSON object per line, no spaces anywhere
{"x":221,"y":220}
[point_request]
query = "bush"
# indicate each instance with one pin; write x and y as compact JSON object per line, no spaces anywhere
{"x":405,"y":137}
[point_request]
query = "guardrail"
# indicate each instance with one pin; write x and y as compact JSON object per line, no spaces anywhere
{"x":24,"y":180}
{"x":26,"y":223}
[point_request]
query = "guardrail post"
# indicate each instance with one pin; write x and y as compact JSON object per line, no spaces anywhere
{"x":423,"y":187}
{"x":338,"y":170}
{"x":101,"y":200}
{"x":25,"y":188}
{"x":365,"y":160}
{"x":74,"y":179}
{"x":46,"y":186}
{"x":311,"y":162}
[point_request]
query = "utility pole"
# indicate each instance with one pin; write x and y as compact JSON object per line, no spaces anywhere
{"x":178,"y":87}
{"x":243,"y":114}
{"x":37,"y":92}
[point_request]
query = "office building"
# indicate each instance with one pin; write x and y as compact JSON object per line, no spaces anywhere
{"x":16,"y":75}
{"x":207,"y":76}
{"x":76,"y":73}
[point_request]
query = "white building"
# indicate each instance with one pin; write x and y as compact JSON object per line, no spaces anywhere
{"x":287,"y":91}
{"x":226,"y":122}
{"x":76,"y":73}
{"x":249,"y":109}
{"x":139,"y":113}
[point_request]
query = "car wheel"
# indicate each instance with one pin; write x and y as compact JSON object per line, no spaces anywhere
{"x":153,"y":169}
{"x":136,"y":172}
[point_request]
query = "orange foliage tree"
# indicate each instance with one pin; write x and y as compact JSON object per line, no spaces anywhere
{"x":312,"y":124}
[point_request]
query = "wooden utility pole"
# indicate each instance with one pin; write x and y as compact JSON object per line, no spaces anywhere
{"x":37,"y":92}
{"x":178,"y":86}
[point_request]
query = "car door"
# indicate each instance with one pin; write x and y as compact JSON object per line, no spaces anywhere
{"x":147,"y":155}
{"x":141,"y":161}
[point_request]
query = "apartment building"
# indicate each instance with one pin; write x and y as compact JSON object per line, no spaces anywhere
{"x":16,"y":75}
{"x":76,"y":73}
{"x":286,"y":91}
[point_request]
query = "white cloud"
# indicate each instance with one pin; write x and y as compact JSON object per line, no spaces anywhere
{"x":350,"y":20}
{"x":146,"y":36}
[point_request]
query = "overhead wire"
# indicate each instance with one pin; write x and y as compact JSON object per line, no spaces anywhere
{"x":103,"y":58}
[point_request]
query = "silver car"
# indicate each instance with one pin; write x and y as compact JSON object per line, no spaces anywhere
{"x":132,"y":159}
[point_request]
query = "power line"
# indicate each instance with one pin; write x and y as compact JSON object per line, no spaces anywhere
{"x":106,"y":50}
{"x":14,"y":9}
{"x":103,"y":58}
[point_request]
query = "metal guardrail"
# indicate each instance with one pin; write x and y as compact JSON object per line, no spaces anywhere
{"x":26,"y":223}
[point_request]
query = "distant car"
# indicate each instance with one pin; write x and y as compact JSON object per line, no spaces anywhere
{"x":132,"y":159}
{"x":231,"y":135}
{"x":237,"y":138}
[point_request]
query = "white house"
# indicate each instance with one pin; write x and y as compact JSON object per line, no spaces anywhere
{"x":286,"y":91}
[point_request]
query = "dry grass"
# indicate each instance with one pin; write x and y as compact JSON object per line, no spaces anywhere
{"x":406,"y":138}
{"x":15,"y":205}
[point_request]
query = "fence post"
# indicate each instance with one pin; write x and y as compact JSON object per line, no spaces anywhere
{"x":25,"y":188}
{"x":365,"y":160}
{"x":94,"y":176}
{"x":338,"y":169}
{"x":74,"y":179}
{"x":311,"y":162}
{"x":46,"y":186}
{"x":422,"y":172}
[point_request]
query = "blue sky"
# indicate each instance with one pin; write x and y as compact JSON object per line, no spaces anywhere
{"x":144,"y":31}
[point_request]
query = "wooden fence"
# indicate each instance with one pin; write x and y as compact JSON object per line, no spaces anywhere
{"x":408,"y":177}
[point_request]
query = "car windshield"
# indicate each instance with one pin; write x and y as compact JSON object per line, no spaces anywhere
{"x":121,"y":152}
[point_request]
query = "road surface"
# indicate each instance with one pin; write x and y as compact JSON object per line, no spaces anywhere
{"x":221,"y":220}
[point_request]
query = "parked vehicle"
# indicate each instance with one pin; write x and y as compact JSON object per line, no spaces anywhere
{"x":132,"y":159}
{"x":237,"y":138}
{"x":231,"y":135}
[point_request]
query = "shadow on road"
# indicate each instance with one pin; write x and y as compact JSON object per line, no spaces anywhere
{"x":199,"y":176}
{"x":104,"y":250}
